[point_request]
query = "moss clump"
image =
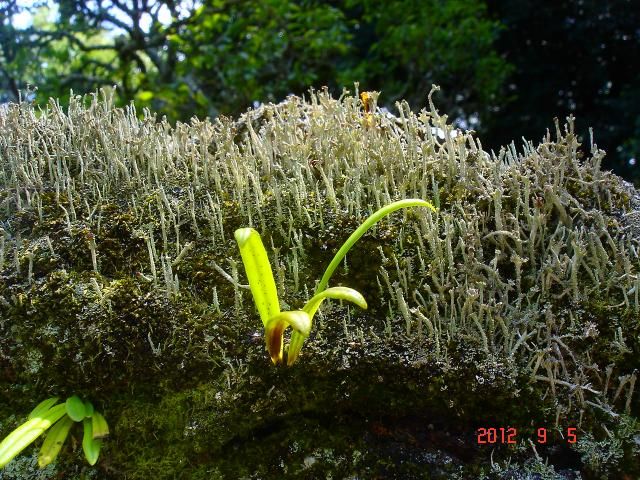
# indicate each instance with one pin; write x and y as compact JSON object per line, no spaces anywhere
{"x":516,"y":305}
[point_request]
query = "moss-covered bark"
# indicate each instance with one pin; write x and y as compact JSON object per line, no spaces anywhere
{"x":516,"y":305}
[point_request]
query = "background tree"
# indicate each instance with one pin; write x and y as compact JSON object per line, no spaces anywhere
{"x":404,"y":47}
{"x":92,"y":44}
{"x":17,"y":66}
{"x":218,"y":56}
{"x":572,"y":57}
{"x":506,"y":68}
{"x":260,"y":51}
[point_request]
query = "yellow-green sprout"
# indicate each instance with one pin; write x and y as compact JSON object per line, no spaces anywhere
{"x":265,"y":294}
{"x":58,"y":418}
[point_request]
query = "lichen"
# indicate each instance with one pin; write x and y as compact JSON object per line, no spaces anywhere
{"x":517,"y":304}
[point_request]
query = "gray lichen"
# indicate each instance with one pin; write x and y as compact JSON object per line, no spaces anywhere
{"x":517,"y":302}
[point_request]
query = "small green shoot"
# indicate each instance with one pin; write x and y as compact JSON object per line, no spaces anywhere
{"x":58,"y":418}
{"x":265,"y":294}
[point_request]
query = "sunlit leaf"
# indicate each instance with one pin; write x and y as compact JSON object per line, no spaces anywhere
{"x":42,"y":407}
{"x":259,"y":274}
{"x":26,"y":433}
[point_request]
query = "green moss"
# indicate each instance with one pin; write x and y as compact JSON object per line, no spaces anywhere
{"x":520,"y":296}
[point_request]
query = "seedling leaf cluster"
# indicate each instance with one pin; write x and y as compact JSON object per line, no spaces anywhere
{"x":57,"y":418}
{"x":265,"y":294}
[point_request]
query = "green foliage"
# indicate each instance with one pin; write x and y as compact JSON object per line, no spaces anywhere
{"x":58,"y":419}
{"x":90,"y":444}
{"x":221,"y":57}
{"x":408,"y":46}
{"x":256,"y":264}
{"x":99,"y":427}
{"x":265,"y":296}
{"x":260,"y":51}
{"x":42,"y":407}
{"x":362,"y":229}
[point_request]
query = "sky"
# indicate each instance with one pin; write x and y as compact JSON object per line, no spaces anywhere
{"x":25,"y":19}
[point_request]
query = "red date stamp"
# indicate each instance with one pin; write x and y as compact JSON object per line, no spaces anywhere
{"x":509,"y":435}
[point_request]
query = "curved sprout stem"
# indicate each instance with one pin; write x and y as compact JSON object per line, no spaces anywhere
{"x":361,"y":230}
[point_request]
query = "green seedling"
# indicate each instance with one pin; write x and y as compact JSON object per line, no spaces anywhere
{"x":58,"y":418}
{"x":265,"y":294}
